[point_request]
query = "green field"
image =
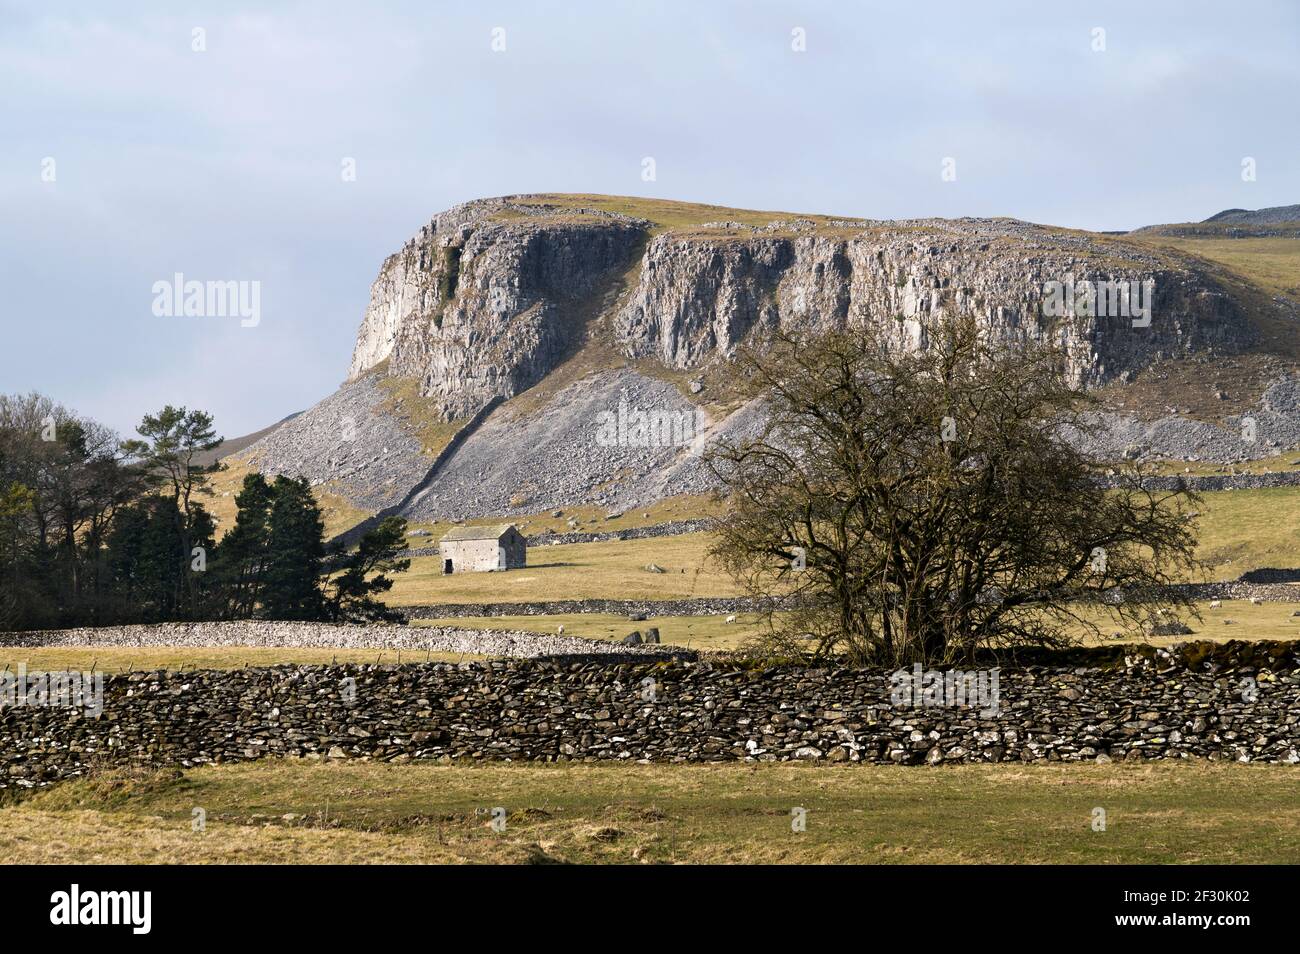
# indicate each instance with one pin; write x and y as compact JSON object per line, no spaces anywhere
{"x":297,"y":811}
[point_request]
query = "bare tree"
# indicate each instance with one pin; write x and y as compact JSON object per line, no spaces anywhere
{"x":919,"y":504}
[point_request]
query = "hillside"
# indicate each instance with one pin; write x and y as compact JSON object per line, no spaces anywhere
{"x":498,"y":335}
{"x":1280,"y":221}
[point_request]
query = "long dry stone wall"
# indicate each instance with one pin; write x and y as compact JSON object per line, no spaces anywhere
{"x":1164,"y":706}
{"x":692,"y":606}
{"x":295,"y":635}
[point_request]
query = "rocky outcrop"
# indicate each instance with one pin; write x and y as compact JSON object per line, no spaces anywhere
{"x":1165,"y":706}
{"x":699,"y":297}
{"x":1270,"y":216}
{"x":488,"y":297}
{"x":492,"y":295}
{"x":1263,"y":430}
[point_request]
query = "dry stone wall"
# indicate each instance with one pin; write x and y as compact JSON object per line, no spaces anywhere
{"x":1166,"y":706}
{"x":295,"y":635}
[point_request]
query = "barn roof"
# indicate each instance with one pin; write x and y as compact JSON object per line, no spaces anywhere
{"x":491,"y":532}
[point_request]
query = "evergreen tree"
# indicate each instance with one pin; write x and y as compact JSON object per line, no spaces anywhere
{"x":354,"y":587}
{"x":241,"y":557}
{"x":291,"y":587}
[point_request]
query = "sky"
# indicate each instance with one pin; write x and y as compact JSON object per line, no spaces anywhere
{"x":141,"y":140}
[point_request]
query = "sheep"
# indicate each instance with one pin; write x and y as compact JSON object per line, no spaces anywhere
{"x":1255,"y":601}
{"x":560,"y":629}
{"x":1216,"y":604}
{"x":731,"y":618}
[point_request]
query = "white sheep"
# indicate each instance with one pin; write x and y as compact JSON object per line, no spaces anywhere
{"x":1215,"y":604}
{"x":731,"y":618}
{"x":560,"y":629}
{"x":1255,"y":601}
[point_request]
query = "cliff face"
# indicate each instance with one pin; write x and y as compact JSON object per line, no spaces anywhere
{"x":699,"y":297}
{"x":487,"y":298}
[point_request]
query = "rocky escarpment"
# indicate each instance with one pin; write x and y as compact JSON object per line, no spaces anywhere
{"x":700,"y":295}
{"x":1165,"y":707}
{"x":488,"y":297}
{"x":493,"y":295}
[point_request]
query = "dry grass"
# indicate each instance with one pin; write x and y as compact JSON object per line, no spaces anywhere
{"x":666,"y":214}
{"x":714,"y":634}
{"x":1288,"y":460}
{"x":292,"y":811}
{"x":1271,"y":263}
{"x":1241,"y":530}
{"x":613,"y":570}
{"x":1248,"y":622}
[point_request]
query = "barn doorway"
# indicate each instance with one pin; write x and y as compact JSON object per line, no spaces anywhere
{"x":446,"y":566}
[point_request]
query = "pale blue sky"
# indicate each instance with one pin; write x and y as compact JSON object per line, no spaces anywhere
{"x":225,"y":164}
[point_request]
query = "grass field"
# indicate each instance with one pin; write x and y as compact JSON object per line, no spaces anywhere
{"x":297,"y":811}
{"x":1271,"y":263}
{"x":1248,"y":621}
{"x":612,"y":570}
{"x":1239,"y":530}
{"x":1242,"y":530}
{"x":1287,"y":460}
{"x":713,"y":633}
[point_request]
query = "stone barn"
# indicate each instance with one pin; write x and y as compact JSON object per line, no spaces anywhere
{"x":481,"y":549}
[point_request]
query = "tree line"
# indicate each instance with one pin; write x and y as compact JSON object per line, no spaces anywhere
{"x":96,"y":530}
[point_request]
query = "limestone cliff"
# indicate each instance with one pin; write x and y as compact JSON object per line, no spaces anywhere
{"x":488,"y":296}
{"x":491,"y":294}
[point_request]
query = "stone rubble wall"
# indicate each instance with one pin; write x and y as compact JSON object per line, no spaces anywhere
{"x":296,"y":635}
{"x":1210,"y":482}
{"x":697,"y":606}
{"x":1160,"y":707}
